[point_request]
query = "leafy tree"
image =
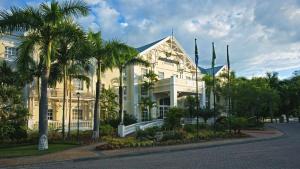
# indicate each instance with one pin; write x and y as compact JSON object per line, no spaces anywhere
{"x":190,"y":104}
{"x":13,"y":114}
{"x":109,"y":104}
{"x":41,"y":24}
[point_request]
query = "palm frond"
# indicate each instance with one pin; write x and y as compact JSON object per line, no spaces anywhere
{"x":19,"y":19}
{"x":137,"y":61}
{"x":75,"y":8}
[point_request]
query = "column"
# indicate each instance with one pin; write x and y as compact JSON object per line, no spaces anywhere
{"x":173,"y":92}
{"x":203,"y":104}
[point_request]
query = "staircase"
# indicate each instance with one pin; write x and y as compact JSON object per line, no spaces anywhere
{"x":126,"y":130}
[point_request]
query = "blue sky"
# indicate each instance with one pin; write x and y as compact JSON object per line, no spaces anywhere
{"x":262,"y":35}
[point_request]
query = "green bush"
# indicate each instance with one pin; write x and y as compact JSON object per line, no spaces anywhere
{"x":148,"y":133}
{"x":107,"y":130}
{"x":173,"y":118}
{"x":238,"y":123}
{"x":129,"y":119}
{"x":174,"y":135}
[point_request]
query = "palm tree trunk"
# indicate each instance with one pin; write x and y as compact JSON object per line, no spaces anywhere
{"x":70,"y":108}
{"x":64,"y":101}
{"x":121,"y":114}
{"x":43,"y":105}
{"x":43,"y":111}
{"x":97,"y":105}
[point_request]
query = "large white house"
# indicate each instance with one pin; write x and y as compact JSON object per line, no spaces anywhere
{"x":175,"y":69}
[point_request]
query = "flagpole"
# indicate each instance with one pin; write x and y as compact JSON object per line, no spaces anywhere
{"x":229,"y":90}
{"x":214,"y":90}
{"x":197,"y":92}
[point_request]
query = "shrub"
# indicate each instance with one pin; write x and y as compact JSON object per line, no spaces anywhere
{"x":174,"y":135}
{"x":238,"y":123}
{"x":173,"y":118}
{"x":148,"y":133}
{"x":129,"y":119}
{"x":107,"y":130}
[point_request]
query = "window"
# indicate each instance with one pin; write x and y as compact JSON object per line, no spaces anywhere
{"x":144,"y":91}
{"x":144,"y":72}
{"x":10,"y":52}
{"x":125,"y":92}
{"x":188,"y":78}
{"x":161,"y":75}
{"x":78,"y":84}
{"x":175,"y":75}
{"x":50,"y":114}
{"x":75,"y":114}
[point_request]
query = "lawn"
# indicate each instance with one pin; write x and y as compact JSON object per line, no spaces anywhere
{"x":30,"y":150}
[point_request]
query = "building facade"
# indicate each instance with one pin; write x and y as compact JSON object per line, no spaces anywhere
{"x":176,"y":80}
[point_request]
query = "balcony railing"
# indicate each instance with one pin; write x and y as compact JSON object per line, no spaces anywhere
{"x":57,"y":125}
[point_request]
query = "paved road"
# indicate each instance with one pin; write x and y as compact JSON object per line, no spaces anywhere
{"x":281,"y":153}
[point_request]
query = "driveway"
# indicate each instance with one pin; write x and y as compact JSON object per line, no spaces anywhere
{"x":280,"y":153}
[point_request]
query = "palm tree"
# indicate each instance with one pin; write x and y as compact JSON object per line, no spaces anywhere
{"x":123,"y":56}
{"x":100,"y":52}
{"x":71,"y":50}
{"x":41,"y":24}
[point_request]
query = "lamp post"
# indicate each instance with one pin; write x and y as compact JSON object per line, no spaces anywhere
{"x":78,"y":95}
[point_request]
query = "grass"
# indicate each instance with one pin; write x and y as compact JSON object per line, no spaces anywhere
{"x":32,"y":150}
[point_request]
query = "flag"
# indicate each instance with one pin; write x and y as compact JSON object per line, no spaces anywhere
{"x":196,"y":53}
{"x":213,"y":58}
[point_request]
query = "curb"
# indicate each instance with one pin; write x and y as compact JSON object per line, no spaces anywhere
{"x":237,"y":142}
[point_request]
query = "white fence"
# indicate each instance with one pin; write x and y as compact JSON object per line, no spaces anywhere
{"x":126,"y":130}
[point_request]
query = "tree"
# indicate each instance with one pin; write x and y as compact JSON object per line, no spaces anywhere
{"x":190,"y":104}
{"x":71,"y":60}
{"x":41,"y":24}
{"x":108,"y":104}
{"x":147,"y":102}
{"x":123,"y":56}
{"x":13,"y":113}
{"x":100,"y":52}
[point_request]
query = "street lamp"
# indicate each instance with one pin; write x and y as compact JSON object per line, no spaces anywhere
{"x":78,"y":95}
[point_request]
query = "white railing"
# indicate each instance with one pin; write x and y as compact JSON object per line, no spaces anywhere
{"x":57,"y":125}
{"x":126,"y":130}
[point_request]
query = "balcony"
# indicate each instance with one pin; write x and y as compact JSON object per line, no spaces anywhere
{"x":181,"y":85}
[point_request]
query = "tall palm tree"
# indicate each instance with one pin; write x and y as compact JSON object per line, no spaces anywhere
{"x":100,"y":53}
{"x":123,"y":56}
{"x":41,"y":23}
{"x":71,"y":50}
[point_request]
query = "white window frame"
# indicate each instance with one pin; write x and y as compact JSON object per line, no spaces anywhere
{"x":161,"y":75}
{"x":50,"y":114}
{"x":10,"y":53}
{"x":75,"y":114}
{"x":78,"y":84}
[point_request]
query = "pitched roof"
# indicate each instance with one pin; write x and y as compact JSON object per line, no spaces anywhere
{"x":209,"y":71}
{"x":142,"y":48}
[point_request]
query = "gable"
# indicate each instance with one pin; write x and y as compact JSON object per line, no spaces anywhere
{"x":169,"y":50}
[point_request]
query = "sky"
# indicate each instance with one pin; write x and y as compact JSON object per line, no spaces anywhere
{"x":263,"y":36}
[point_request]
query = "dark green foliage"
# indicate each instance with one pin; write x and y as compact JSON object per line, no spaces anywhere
{"x":13,"y":114}
{"x":109,"y":105}
{"x":148,"y":133}
{"x":190,"y":105}
{"x":238,"y":123}
{"x":174,"y":135}
{"x":173,"y":118}
{"x":107,"y":130}
{"x":129,"y":119}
